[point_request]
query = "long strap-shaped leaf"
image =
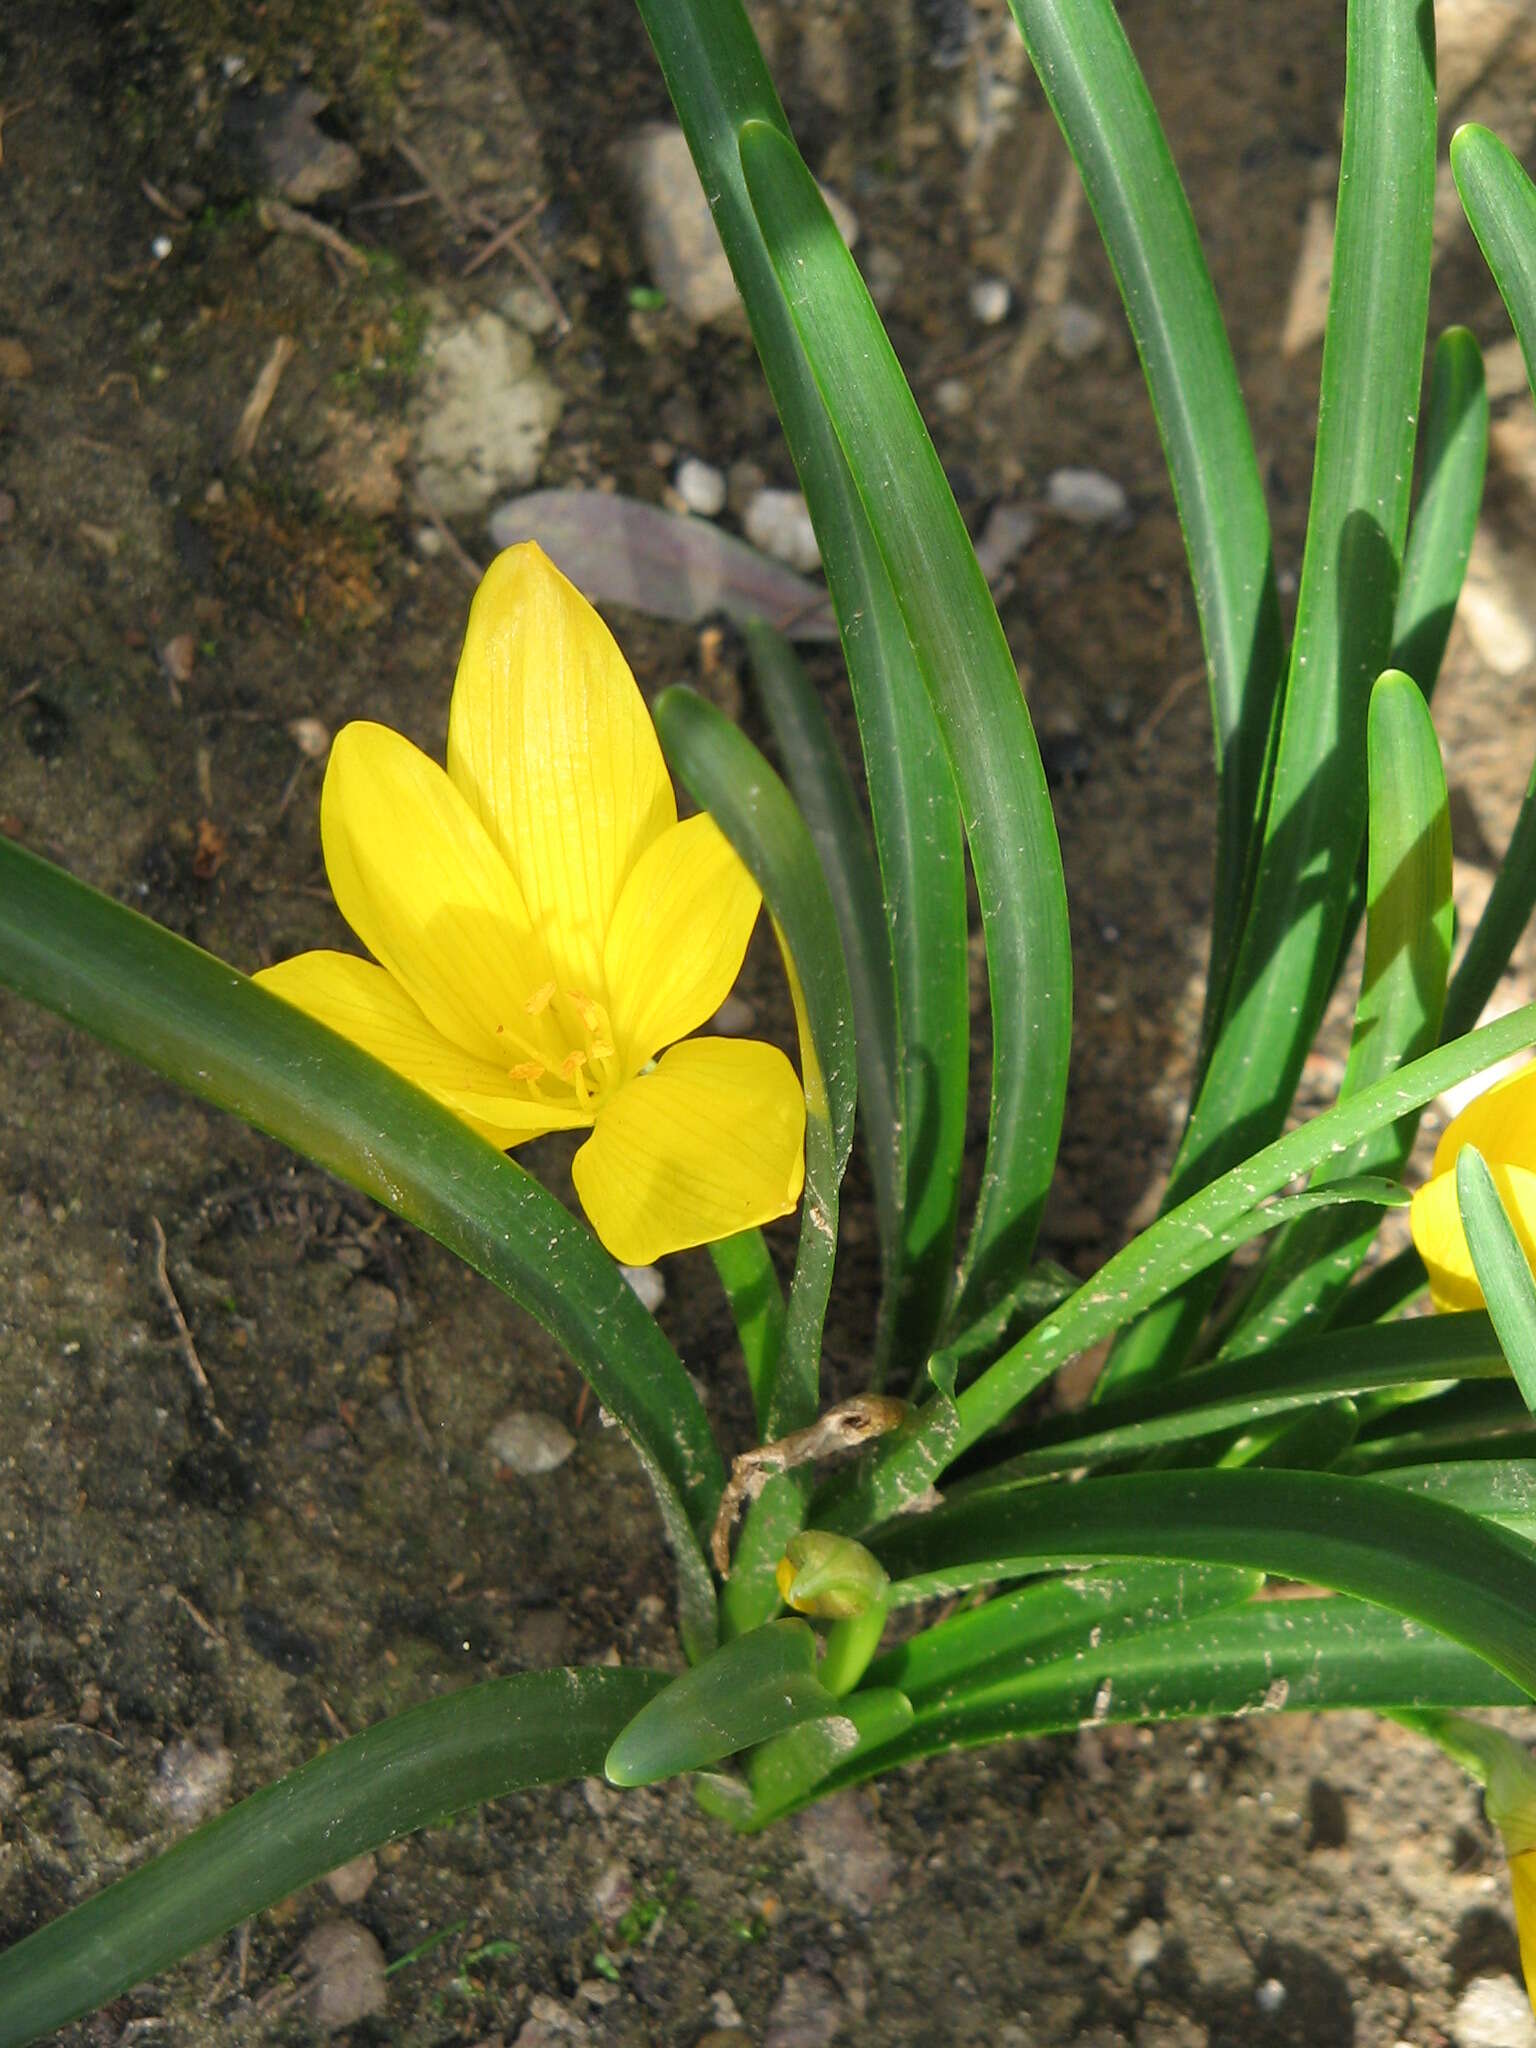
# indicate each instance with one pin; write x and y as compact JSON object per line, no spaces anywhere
{"x":1473,"y":1581}
{"x":477,"y":1744}
{"x":1162,"y":1258}
{"x":202,"y":1024}
{"x":1499,"y":200}
{"x":1502,"y":1267}
{"x":1445,"y":517}
{"x":1408,"y":933}
{"x":1100,"y":98}
{"x":1276,"y":1656}
{"x":974,"y":686}
{"x":723,"y":771}
{"x":717,"y":78}
{"x":823,"y":789}
{"x":1373,"y":357}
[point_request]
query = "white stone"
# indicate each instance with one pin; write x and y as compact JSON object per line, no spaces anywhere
{"x":952,"y":396}
{"x":646,"y":1284}
{"x":734,"y":1018}
{"x":192,"y":1782}
{"x":777,"y":522}
{"x":483,"y":415}
{"x":990,"y":299}
{"x":677,"y":230}
{"x":1077,"y":331}
{"x":1269,"y":1997}
{"x":1143,"y":1946}
{"x":1086,"y":496}
{"x":700,"y":486}
{"x":344,"y":1966}
{"x":1493,"y":2012}
{"x":1007,"y":533}
{"x":349,"y":1882}
{"x":527,"y":307}
{"x":527,"y":1442}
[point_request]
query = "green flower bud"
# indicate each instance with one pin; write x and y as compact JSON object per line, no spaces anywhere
{"x":829,"y":1576}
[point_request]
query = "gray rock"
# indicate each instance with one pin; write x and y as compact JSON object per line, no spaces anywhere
{"x":527,"y":1442}
{"x":700,"y":486}
{"x":1270,"y":1996}
{"x":349,"y":1882}
{"x":345,"y":1969}
{"x":1077,"y":331}
{"x":677,"y":230}
{"x":192,"y":1782}
{"x":846,"y":1851}
{"x":809,"y":2012}
{"x":1493,"y":2012}
{"x":1143,"y":1946}
{"x":990,"y":298}
{"x":646,"y":1284}
{"x":1007,"y":533}
{"x":777,"y":522}
{"x":1086,"y":496}
{"x":483,"y":415}
{"x":299,"y":162}
{"x":527,"y":307}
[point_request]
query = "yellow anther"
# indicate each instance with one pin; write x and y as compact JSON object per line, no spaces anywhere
{"x":601,"y":1050}
{"x":540,"y":1000}
{"x":572,"y":1065}
{"x":527,"y":1070}
{"x":585,"y":1008}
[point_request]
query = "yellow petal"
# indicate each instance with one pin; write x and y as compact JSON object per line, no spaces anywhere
{"x":419,"y":881}
{"x":550,"y":742}
{"x":1522,"y":1883}
{"x":678,"y":936}
{"x":1442,"y":1242}
{"x":1501,"y":1123}
{"x":709,"y":1144}
{"x":367,"y":1006}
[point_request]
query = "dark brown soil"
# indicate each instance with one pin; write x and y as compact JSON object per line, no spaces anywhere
{"x":349,"y":1546}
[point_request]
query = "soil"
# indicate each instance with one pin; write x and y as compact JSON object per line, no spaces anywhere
{"x":202,"y":1588}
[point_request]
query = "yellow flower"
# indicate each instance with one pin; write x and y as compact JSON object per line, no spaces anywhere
{"x":544,"y":927}
{"x":1501,"y":1123}
{"x":1522,"y":1885}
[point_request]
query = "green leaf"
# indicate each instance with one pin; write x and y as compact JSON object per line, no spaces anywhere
{"x":1499,"y":200}
{"x":1373,"y":354}
{"x":974,"y":687}
{"x":538,"y":1728}
{"x":1502,"y":1268}
{"x":785,"y":1771}
{"x":715,"y":73}
{"x":749,"y":1690}
{"x":203,"y":1025}
{"x":1445,"y":518}
{"x":1246,"y":1391}
{"x":823,"y":789}
{"x":725,"y":773}
{"x":1022,"y":1633}
{"x":1473,"y":1581}
{"x":1474,"y":1423}
{"x":1498,"y":1489}
{"x":1271,"y":1657}
{"x":1409,"y":928}
{"x":1154,"y":1263}
{"x":757,"y":1309}
{"x":1100,"y":98}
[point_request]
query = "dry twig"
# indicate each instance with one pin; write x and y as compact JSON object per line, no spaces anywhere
{"x":263,"y":391}
{"x":847,"y":1427}
{"x":280,"y":218}
{"x":184,"y":1334}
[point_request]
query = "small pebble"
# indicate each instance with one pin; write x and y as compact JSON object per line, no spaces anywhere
{"x":777,"y":522}
{"x":352,"y":1881}
{"x":192,"y":1782}
{"x":180,"y":657}
{"x":1007,"y":533}
{"x":990,"y":300}
{"x":1077,"y":331}
{"x":161,"y":247}
{"x":311,"y":737}
{"x":952,"y":396}
{"x":1086,"y":496}
{"x":734,"y":1017}
{"x":700,"y":486}
{"x":1143,"y":1946}
{"x":346,"y":1968}
{"x":1269,"y":1997}
{"x":527,"y":1442}
{"x":647,"y":1285}
{"x":427,"y":542}
{"x":527,"y":307}
{"x":1493,"y":2012}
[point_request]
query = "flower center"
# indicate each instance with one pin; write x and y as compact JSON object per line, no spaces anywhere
{"x":588,"y":1066}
